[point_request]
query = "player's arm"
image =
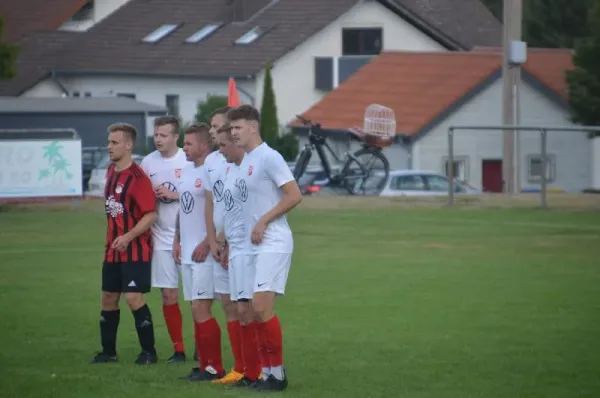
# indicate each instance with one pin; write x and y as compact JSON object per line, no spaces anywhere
{"x":291,"y":198}
{"x":211,"y":234}
{"x":176,"y":252}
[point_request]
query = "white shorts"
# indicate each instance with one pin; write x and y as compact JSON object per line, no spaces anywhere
{"x":197,"y":281}
{"x":270,"y":271}
{"x":241,"y":282}
{"x":165,"y":273}
{"x":221,"y":277}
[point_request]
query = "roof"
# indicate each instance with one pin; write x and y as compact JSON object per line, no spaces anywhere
{"x":421,"y":87}
{"x":76,"y":105}
{"x":114,"y":45}
{"x":23,"y":17}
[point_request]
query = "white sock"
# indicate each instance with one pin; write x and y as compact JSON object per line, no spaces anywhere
{"x":265,"y":373}
{"x":277,"y":372}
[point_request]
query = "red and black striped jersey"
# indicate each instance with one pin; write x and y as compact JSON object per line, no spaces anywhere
{"x":128,"y":196}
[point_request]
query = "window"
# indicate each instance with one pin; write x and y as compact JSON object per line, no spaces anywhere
{"x":461,"y":168}
{"x":172,"y":104}
{"x":408,"y":183}
{"x":362,"y":41}
{"x":202,"y":33}
{"x":160,"y":33}
{"x":126,"y":95}
{"x":87,"y":94}
{"x":250,"y":36}
{"x":437,"y":183}
{"x":75,"y":94}
{"x":535,"y":168}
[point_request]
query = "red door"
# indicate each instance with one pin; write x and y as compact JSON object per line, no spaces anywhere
{"x":491,"y":175}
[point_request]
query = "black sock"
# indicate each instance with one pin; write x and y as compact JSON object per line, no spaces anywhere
{"x":109,"y":323}
{"x":145,"y":328}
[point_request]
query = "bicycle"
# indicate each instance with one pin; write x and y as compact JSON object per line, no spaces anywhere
{"x":357,"y":175}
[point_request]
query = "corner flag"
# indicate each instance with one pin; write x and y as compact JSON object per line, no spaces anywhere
{"x":233,"y":99}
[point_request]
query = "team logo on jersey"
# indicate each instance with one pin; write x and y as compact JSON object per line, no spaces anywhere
{"x":187,"y":202}
{"x":228,"y":200}
{"x":171,"y":188}
{"x":119,"y":188}
{"x":250,"y":170}
{"x":198,"y":183}
{"x":112,"y":207}
{"x":241,"y":185}
{"x":218,"y":189}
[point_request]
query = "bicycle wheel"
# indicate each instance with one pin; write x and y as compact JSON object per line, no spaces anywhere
{"x":302,"y":162}
{"x":366,"y":172}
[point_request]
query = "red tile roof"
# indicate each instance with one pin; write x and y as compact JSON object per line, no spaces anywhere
{"x":420,"y":86}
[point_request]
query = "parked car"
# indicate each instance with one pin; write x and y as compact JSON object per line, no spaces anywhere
{"x":423,"y":183}
{"x":97,"y":179}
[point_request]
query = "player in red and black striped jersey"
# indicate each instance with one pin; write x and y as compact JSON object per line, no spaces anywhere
{"x":130,"y":211}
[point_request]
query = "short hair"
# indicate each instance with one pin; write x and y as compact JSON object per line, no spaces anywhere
{"x":202,"y":130}
{"x":245,"y":112}
{"x":167,"y":120}
{"x":128,"y":130}
{"x":226,"y":129}
{"x":220,"y":111}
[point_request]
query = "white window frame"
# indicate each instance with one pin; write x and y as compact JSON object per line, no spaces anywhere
{"x":462,"y":174}
{"x":550,"y":169}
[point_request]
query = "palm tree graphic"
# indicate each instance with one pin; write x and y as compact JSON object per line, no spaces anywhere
{"x":56,"y":162}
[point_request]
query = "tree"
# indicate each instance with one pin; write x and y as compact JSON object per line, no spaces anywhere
{"x":584,"y":80}
{"x":8,"y":57}
{"x":286,"y":144}
{"x":208,"y":106}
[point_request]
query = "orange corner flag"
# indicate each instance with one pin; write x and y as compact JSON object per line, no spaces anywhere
{"x":233,"y":99}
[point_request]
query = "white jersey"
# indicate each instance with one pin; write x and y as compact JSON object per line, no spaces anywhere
{"x":165,"y":171}
{"x":262,"y":172}
{"x":216,"y":164}
{"x":235,"y":233}
{"x":192,"y":229}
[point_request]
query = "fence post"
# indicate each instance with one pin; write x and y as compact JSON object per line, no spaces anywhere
{"x":544,"y":170}
{"x":451,"y":166}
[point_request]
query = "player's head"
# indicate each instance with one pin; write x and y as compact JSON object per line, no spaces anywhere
{"x":217,"y":120}
{"x":245,"y":124}
{"x":121,"y":140}
{"x":231,"y":152}
{"x":166,"y":133}
{"x":197,"y":142}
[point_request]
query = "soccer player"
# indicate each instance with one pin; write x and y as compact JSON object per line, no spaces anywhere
{"x":235,"y":256}
{"x":191,"y":249}
{"x":268,"y":192}
{"x":164,"y":167}
{"x":130,"y":211}
{"x":215,"y":167}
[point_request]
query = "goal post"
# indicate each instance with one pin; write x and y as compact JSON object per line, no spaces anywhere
{"x":543,"y":130}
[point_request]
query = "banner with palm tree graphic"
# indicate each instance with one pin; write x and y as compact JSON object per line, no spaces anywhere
{"x":32,"y":169}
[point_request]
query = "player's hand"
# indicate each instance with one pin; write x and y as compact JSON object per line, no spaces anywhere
{"x":214,"y":249}
{"x":163,"y":192}
{"x":224,"y":258}
{"x":201,"y":252}
{"x":121,"y":242}
{"x":176,"y":251}
{"x":258,"y":232}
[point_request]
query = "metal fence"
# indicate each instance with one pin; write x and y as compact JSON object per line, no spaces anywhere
{"x":543,"y":130}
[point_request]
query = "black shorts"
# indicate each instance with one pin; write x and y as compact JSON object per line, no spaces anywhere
{"x":126,"y":277}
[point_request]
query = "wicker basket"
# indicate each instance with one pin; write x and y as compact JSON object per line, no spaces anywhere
{"x":380,"y":126}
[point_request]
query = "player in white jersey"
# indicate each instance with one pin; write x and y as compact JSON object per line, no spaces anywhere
{"x":268,"y":192}
{"x":190,"y":248}
{"x":215,"y":169}
{"x":164,"y":167}
{"x":235,"y":255}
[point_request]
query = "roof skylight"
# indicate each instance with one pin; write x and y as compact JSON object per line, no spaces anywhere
{"x":202,"y":33}
{"x":160,"y":33}
{"x":250,"y":36}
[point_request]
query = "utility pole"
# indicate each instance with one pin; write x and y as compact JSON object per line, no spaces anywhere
{"x":511,"y":79}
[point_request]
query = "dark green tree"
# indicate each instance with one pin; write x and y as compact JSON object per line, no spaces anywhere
{"x":208,"y":106}
{"x":584,"y":80}
{"x":8,"y":57}
{"x":269,"y":125}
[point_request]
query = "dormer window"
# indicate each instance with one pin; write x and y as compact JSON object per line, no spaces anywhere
{"x":203,"y":33}
{"x":250,"y":36}
{"x":160,"y":33}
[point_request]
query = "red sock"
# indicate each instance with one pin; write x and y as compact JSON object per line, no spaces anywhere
{"x":252,"y":363}
{"x":199,"y":345}
{"x":263,"y":355}
{"x":174,"y":325}
{"x":210,"y":340}
{"x":271,"y":330}
{"x":235,"y":338}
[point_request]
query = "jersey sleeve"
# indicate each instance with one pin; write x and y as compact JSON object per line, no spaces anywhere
{"x":143,"y":195}
{"x":277,"y":169}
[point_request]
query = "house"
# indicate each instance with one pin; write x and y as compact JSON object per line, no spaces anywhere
{"x":176,"y":52}
{"x":429,"y":92}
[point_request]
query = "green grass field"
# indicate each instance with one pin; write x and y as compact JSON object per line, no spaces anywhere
{"x":384,"y":303}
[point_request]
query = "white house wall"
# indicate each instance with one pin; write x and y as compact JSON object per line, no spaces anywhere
{"x":572,"y":151}
{"x":293,"y":74}
{"x":45,"y":88}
